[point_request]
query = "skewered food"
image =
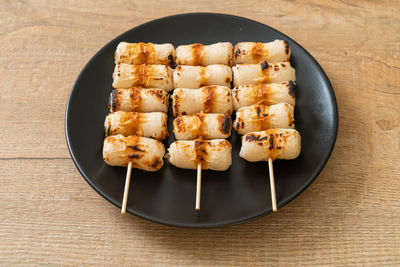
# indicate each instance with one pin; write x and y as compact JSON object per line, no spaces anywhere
{"x":208,"y":99}
{"x":148,"y":76}
{"x":254,"y":52}
{"x":144,"y":153}
{"x":145,"y":53}
{"x":272,"y":143}
{"x":203,"y":55}
{"x":212,"y":154}
{"x":263,"y":93}
{"x":153,"y":124}
{"x":139,"y":99}
{"x":248,"y":74}
{"x":196,"y":76}
{"x":206,"y":125}
{"x":261,"y":117}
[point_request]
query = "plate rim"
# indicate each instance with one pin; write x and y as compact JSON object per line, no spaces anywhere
{"x":217,"y":224}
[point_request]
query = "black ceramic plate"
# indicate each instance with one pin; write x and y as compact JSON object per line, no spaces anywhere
{"x":237,"y":195}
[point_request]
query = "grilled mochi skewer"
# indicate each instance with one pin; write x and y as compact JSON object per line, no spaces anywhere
{"x":248,"y":74}
{"x":196,"y":76}
{"x":261,"y":117}
{"x":148,"y":76}
{"x":208,"y":99}
{"x":254,"y":52}
{"x":189,"y":105}
{"x":133,"y":152}
{"x":139,"y":99}
{"x":145,"y":53}
{"x":203,"y":55}
{"x":264,"y":93}
{"x":201,"y":154}
{"x":269,"y":145}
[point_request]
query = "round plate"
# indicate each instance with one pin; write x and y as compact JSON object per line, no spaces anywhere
{"x":234,"y":196}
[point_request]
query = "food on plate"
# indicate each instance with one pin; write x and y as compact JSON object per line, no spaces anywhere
{"x":208,"y":99}
{"x":203,"y":55}
{"x":261,"y":117}
{"x":148,"y":76}
{"x":213,"y":154}
{"x":144,"y":153}
{"x":138,"y":99}
{"x":206,"y":125}
{"x":248,"y":74}
{"x":153,"y":124}
{"x":254,"y":52}
{"x":272,"y":143}
{"x":196,"y":76}
{"x":144,"y":53}
{"x":264,"y":93}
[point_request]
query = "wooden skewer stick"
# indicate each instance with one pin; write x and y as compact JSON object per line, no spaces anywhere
{"x":272,"y":183}
{"x":126,"y":190}
{"x":198,"y":187}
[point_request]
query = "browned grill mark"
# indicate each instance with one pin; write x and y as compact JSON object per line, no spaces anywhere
{"x":291,"y":88}
{"x":156,"y":163}
{"x":251,"y":137}
{"x":107,"y":130}
{"x":197,"y":54}
{"x":157,"y":93}
{"x":208,"y":100}
{"x":286,"y":45}
{"x":135,"y":156}
{"x":175,"y":104}
{"x":258,"y":109}
{"x":237,"y":52}
{"x":140,"y":74}
{"x":113,"y":102}
{"x":225,"y":124}
{"x":146,"y":53}
{"x":201,"y":130}
{"x":179,"y":124}
{"x":271,"y":142}
{"x":200,"y":150}
{"x":257,"y":53}
{"x":263,"y":117}
{"x":135,"y":99}
{"x":264,"y":65}
{"x":131,"y":124}
{"x":203,"y":77}
{"x":170,"y":60}
{"x":239,"y":122}
{"x":290,"y":118}
{"x":136,"y":148}
{"x":237,"y":125}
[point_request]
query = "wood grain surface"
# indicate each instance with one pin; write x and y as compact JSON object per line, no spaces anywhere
{"x":50,"y":216}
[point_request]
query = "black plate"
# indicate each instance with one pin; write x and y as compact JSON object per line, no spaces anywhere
{"x":168,"y":196}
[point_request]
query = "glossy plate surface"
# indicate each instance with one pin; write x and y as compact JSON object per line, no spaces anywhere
{"x":168,"y":196}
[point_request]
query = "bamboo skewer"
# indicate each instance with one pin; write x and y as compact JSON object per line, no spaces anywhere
{"x":126,"y":190}
{"x":198,"y":187}
{"x":272,"y":183}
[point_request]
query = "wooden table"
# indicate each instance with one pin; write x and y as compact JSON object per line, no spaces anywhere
{"x":50,"y":216}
